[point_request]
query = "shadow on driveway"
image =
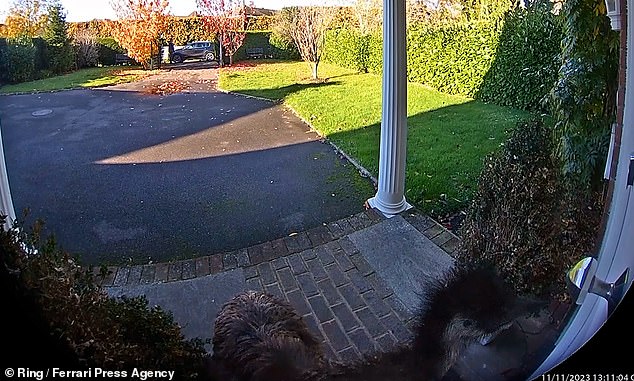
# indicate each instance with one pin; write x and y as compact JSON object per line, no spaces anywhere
{"x":121,"y":175}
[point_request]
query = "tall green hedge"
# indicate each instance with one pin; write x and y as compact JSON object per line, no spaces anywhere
{"x":264,"y":40}
{"x":527,"y":59}
{"x":4,"y":61}
{"x":349,"y":48}
{"x":451,"y":58}
{"x":512,"y":63}
{"x":107,"y":49}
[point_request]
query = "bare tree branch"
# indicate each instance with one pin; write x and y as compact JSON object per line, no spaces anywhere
{"x":228,"y":20}
{"x":309,"y":26}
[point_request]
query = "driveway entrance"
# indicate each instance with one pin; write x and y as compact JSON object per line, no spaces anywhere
{"x":132,"y":172}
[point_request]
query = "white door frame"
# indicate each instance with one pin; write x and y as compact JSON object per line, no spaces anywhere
{"x":6,"y":203}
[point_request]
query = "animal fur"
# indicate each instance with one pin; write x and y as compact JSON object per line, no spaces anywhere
{"x":260,"y":338}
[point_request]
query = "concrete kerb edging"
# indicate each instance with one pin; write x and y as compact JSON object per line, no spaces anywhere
{"x":364,"y":172}
{"x":274,"y":101}
{"x":218,"y":262}
{"x":50,"y":91}
{"x":357,"y":165}
{"x":164,"y":272}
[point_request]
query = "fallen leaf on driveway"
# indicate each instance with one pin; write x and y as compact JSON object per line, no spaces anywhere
{"x":167,"y":88}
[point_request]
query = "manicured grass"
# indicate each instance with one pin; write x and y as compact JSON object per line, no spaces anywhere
{"x":448,"y":135}
{"x":91,"y":77}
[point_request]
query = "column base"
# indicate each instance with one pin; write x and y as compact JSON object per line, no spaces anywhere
{"x":389,"y":210}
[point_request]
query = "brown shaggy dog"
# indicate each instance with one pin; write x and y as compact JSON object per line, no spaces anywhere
{"x":258,"y":337}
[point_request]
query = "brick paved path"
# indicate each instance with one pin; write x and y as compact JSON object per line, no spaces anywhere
{"x":327,"y":279}
{"x":344,"y":301}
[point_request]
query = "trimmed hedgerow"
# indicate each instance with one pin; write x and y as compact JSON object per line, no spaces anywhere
{"x":347,"y":48}
{"x":527,"y":59}
{"x":515,"y":66}
{"x":375,"y":59}
{"x":107,"y":50}
{"x":4,"y":61}
{"x":61,"y":317}
{"x":265,"y":40}
{"x":451,"y":58}
{"x":283,"y":48}
{"x":522,"y":219}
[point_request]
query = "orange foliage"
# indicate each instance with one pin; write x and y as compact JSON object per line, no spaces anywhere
{"x":138,"y":28}
{"x":26,"y":18}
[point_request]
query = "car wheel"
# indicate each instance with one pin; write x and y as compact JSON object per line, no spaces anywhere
{"x":209,"y":56}
{"x":177,"y":58}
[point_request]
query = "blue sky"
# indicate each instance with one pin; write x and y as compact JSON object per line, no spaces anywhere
{"x":85,"y":10}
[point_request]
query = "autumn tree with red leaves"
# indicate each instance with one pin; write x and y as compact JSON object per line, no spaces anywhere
{"x":139,"y":26}
{"x":228,"y":20}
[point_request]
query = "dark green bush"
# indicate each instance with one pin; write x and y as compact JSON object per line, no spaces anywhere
{"x":21,"y":61}
{"x":4,"y":61}
{"x":108,"y":49}
{"x":527,"y":59}
{"x":265,"y":40}
{"x":521,"y":218}
{"x":58,"y":310}
{"x":60,"y":52}
{"x":583,"y":99}
{"x":282,"y":48}
{"x":41,"y":61}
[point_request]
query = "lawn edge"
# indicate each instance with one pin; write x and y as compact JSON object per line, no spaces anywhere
{"x":68,"y":88}
{"x":362,"y":170}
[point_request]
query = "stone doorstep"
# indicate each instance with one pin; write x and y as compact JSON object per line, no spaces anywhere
{"x":321,"y":272}
{"x":225,"y":261}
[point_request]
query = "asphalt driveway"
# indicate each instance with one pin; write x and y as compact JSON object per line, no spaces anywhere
{"x":122,"y":173}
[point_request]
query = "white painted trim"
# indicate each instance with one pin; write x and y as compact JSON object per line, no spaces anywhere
{"x":6,"y":202}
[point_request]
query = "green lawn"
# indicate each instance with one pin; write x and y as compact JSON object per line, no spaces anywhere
{"x":91,"y":77}
{"x":448,"y":135}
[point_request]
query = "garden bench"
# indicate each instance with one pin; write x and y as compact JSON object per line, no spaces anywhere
{"x":253,"y":53}
{"x":122,"y":59}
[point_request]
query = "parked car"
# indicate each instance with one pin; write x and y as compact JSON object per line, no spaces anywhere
{"x":204,"y":50}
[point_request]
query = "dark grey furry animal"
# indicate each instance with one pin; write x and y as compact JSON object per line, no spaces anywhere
{"x":259,"y":337}
{"x":468,"y":305}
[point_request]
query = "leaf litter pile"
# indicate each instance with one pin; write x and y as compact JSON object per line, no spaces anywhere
{"x":167,"y":88}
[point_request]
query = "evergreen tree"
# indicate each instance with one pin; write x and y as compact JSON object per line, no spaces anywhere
{"x":60,"y":51}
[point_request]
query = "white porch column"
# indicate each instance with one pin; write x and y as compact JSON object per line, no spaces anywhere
{"x":6,"y":204}
{"x":390,"y":197}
